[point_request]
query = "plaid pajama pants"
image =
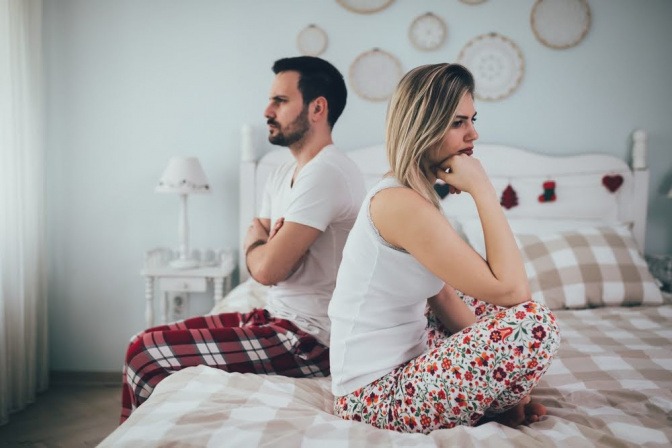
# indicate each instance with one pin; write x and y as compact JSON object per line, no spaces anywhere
{"x":253,"y":342}
{"x":487,"y":367}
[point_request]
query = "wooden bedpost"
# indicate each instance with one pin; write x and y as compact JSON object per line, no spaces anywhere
{"x":247,"y":152}
{"x":247,"y":208}
{"x":641,"y":176}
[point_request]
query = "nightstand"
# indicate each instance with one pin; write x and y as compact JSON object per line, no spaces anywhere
{"x":215,"y":268}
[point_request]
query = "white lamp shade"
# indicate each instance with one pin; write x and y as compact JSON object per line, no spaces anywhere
{"x":183,"y":175}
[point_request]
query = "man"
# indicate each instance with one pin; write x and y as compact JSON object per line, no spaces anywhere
{"x":312,"y":204}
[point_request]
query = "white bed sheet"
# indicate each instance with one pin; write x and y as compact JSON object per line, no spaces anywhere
{"x":611,"y":385}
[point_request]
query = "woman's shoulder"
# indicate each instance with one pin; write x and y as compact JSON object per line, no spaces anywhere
{"x":402,"y":214}
{"x":391,"y":197}
{"x":390,"y":186}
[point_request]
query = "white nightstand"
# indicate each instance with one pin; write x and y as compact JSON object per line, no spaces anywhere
{"x":216,"y":268}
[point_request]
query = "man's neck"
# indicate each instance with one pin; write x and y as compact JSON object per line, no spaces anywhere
{"x":305,"y":150}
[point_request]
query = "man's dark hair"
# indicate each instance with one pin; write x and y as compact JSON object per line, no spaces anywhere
{"x":317,"y":77}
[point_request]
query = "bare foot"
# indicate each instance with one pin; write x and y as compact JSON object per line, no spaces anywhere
{"x":524,"y":413}
{"x":534,"y":412}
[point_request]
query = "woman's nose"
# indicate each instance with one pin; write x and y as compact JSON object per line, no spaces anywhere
{"x":472,"y":134}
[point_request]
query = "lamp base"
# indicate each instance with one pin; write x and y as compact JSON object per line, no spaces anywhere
{"x":181,"y":263}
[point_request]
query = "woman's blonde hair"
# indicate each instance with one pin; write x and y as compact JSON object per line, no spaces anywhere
{"x":420,"y":111}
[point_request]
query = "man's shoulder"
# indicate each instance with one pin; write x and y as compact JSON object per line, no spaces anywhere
{"x":335,"y":163}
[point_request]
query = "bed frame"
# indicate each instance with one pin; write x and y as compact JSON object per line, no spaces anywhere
{"x":631,"y":200}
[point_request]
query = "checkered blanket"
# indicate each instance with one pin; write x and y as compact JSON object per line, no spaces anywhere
{"x":611,"y":385}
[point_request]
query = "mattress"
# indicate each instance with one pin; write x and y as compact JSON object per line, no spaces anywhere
{"x":610,"y":385}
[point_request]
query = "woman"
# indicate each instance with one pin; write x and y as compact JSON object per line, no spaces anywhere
{"x":394,"y":363}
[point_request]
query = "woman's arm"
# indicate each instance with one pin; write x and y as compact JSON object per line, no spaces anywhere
{"x":453,"y":313}
{"x":407,"y":220}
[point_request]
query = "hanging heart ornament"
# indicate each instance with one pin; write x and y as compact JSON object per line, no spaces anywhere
{"x":612,"y":183}
{"x":441,"y":189}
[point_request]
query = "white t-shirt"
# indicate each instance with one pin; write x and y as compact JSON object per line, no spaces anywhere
{"x":377,"y":309}
{"x":326,"y":195}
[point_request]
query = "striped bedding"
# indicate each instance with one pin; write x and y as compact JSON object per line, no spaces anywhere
{"x":611,"y":386}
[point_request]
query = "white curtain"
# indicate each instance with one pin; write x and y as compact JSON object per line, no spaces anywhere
{"x":23,"y":308}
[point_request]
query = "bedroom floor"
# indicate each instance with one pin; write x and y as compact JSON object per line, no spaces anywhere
{"x":65,"y":416}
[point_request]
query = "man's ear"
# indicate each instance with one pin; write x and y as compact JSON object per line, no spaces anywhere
{"x":318,"y":108}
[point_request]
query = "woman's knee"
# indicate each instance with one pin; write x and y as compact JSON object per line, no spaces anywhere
{"x":544,"y":327}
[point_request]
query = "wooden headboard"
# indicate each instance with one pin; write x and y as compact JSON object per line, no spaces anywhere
{"x":581,"y":183}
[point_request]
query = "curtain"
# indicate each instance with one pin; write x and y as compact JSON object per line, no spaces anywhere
{"x":23,"y":307}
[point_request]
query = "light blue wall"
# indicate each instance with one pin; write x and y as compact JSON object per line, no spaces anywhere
{"x":133,"y":82}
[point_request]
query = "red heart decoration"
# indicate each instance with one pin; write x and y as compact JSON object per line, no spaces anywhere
{"x":612,"y":183}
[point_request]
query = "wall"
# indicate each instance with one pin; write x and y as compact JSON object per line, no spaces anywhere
{"x":133,"y":82}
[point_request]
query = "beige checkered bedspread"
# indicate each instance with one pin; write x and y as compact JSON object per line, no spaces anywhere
{"x":610,"y":386}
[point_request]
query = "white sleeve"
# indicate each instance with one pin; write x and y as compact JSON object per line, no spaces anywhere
{"x":320,"y":197}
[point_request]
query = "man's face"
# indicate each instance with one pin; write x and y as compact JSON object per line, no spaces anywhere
{"x":286,"y":115}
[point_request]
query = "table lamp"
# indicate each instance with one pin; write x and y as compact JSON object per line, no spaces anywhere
{"x":183,"y":176}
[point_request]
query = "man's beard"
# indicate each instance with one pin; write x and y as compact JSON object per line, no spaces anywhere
{"x":294,"y":132}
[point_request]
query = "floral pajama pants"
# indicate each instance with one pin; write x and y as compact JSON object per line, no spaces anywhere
{"x":253,"y":342}
{"x":487,"y":367}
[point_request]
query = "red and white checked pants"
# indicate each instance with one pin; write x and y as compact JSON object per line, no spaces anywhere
{"x":253,"y":342}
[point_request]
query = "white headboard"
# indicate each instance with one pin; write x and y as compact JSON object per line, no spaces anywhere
{"x":578,"y":181}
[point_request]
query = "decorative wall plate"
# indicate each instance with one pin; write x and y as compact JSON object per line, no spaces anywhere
{"x":365,"y":6}
{"x":427,"y":32}
{"x":374,"y":74}
{"x":560,"y":23}
{"x":496,"y":63}
{"x":312,"y":40}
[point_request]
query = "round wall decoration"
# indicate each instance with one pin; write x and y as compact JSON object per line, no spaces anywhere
{"x":427,"y":32}
{"x":496,"y":63}
{"x":312,"y":40}
{"x":374,"y":74}
{"x":365,"y":6}
{"x":560,"y":23}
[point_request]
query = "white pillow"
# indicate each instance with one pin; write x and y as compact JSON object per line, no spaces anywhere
{"x":243,"y":298}
{"x":471,"y":228}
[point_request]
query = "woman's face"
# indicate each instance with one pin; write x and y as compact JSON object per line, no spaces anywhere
{"x":459,"y":137}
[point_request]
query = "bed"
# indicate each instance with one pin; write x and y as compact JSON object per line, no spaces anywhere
{"x":580,"y":221}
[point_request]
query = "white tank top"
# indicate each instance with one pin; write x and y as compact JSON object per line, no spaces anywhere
{"x":377,"y":309}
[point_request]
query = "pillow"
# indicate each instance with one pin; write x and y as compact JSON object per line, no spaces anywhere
{"x":243,"y":298}
{"x":471,"y":228}
{"x":587,"y":267}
